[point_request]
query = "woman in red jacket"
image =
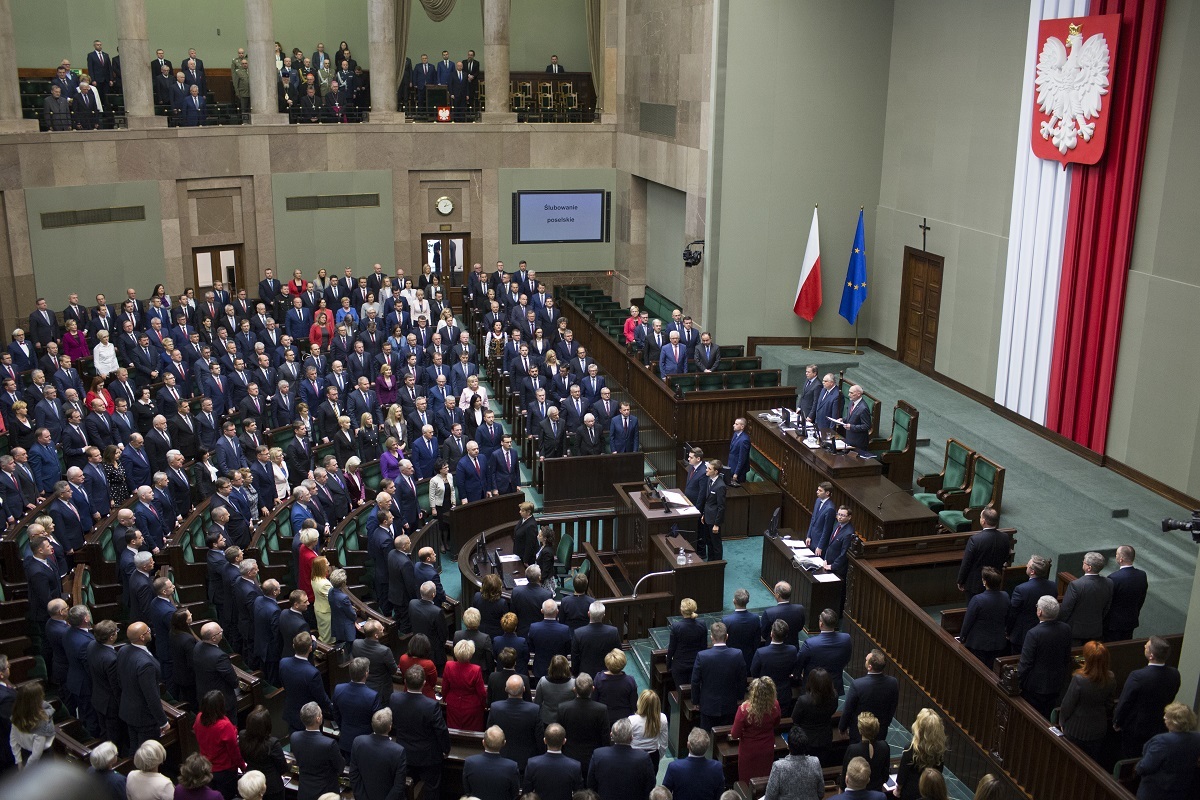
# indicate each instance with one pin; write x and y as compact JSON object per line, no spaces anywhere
{"x":297,"y":285}
{"x":463,"y":689}
{"x":321,"y":332}
{"x":754,"y":724}
{"x":217,"y":740}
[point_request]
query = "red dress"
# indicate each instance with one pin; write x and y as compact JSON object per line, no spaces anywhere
{"x":103,"y":395}
{"x":430,"y":687}
{"x":304,"y":570}
{"x":756,"y":748}
{"x":464,"y":692}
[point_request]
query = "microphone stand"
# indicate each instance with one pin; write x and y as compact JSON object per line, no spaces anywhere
{"x":886,"y":496}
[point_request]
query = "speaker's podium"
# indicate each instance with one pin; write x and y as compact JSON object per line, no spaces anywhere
{"x":653,"y":533}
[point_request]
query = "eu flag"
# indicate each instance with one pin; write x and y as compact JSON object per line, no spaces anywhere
{"x":854,"y":292}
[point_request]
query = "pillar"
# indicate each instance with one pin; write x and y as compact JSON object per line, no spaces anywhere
{"x":1189,"y":658}
{"x":136,"y":80}
{"x":260,"y":52}
{"x":495,"y":60}
{"x":10,"y":88}
{"x":381,"y":39}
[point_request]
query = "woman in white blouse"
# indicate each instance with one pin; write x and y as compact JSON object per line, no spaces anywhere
{"x":448,"y":321}
{"x":32,"y":727}
{"x":279,"y":471}
{"x":420,"y":306}
{"x":473,"y":388}
{"x":443,"y":496}
{"x":649,"y":726}
{"x":408,"y":292}
{"x":145,"y":782}
{"x":104,"y":355}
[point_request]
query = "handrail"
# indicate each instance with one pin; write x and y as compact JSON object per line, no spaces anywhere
{"x":649,"y":575}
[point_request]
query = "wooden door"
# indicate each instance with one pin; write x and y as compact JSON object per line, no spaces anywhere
{"x":920,"y":304}
{"x":449,"y":253}
{"x":212,"y":264}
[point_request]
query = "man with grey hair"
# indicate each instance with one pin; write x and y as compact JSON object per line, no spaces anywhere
{"x":141,"y":587}
{"x":1045,"y":658}
{"x":593,"y":642}
{"x":696,"y":775}
{"x":521,"y":721}
{"x":380,"y":658}
{"x":1022,"y":610}
{"x":619,"y":771}
{"x":489,"y":774}
{"x":103,"y":758}
{"x":663,"y":793}
{"x":547,"y":639}
{"x":426,"y":617}
{"x":378,"y":766}
{"x":527,"y":600}
{"x":318,"y":758}
{"x":585,"y":721}
{"x":266,"y":629}
{"x":1086,"y":602}
{"x":245,"y":591}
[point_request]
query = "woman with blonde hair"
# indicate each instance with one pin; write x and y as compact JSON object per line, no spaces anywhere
{"x":279,"y":471}
{"x":320,"y":598}
{"x":394,"y":425}
{"x":688,"y":638}
{"x":368,"y":438}
{"x":252,"y":785}
{"x":872,"y":748}
{"x":1168,"y":764}
{"x":925,"y":753}
{"x":389,"y":461}
{"x":614,"y":688}
{"x":463,"y":689}
{"x":33,"y":729}
{"x":649,"y":726}
{"x":754,"y":725}
{"x":355,"y":485}
{"x":145,"y":782}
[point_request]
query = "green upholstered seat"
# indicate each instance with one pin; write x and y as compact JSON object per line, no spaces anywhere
{"x":747,"y":363}
{"x":562,"y":557}
{"x":984,"y":486}
{"x":709,"y":381}
{"x":766,"y":378}
{"x":956,"y":472}
{"x":681,"y":383}
{"x":732,"y":350}
{"x":738,"y":380}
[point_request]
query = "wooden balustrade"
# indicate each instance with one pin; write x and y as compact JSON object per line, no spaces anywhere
{"x":1006,"y":735}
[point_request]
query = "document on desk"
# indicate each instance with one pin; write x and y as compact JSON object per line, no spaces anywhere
{"x":520,"y":581}
{"x":676,"y":497}
{"x":825,"y":577}
{"x":509,"y":557}
{"x":799,"y":549}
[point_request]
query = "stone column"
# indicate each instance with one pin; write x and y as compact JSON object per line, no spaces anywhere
{"x":381,"y":39}
{"x":260,"y":52}
{"x":136,"y":81}
{"x":495,"y":60}
{"x":10,"y":88}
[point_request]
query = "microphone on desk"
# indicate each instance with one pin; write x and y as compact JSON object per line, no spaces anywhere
{"x":886,"y":496}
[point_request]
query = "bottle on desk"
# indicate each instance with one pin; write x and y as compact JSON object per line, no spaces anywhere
{"x":681,"y":559}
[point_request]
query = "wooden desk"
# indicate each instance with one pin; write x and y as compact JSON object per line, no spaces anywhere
{"x":468,"y":520}
{"x":637,"y":523}
{"x":814,"y":595}
{"x":703,"y":581}
{"x":880,"y":508}
{"x":748,"y":506}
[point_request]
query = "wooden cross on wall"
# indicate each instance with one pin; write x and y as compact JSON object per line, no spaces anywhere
{"x":924,"y":226}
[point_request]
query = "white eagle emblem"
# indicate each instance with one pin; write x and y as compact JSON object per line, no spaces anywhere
{"x":1070,"y":87}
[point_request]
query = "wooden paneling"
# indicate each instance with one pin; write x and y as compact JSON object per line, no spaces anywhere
{"x":467,"y":521}
{"x":815,"y":596}
{"x":589,"y":479}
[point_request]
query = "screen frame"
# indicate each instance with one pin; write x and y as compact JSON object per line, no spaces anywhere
{"x":605,"y":215}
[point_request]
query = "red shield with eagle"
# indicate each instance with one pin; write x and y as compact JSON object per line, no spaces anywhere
{"x":1073,"y":83}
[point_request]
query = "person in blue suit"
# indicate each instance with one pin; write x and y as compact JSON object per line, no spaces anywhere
{"x":1046,"y":661}
{"x":621,"y":771}
{"x":424,"y":452}
{"x":553,"y":775}
{"x":1168,"y":764}
{"x":355,"y":704}
{"x":548,"y":638}
{"x":695,"y":483}
{"x":776,"y":660}
{"x":739,"y":451}
{"x":266,"y":612}
{"x":983,"y":627}
{"x":809,"y":393}
{"x":672,"y":359}
{"x":148,"y":520}
{"x":343,"y":622}
{"x":504,"y":468}
{"x":829,"y":403}
{"x":823,"y":518}
{"x":623,"y":435}
{"x":136,"y":462}
{"x":302,"y":682}
{"x":874,"y":692}
{"x":68,"y":522}
{"x":1022,"y":610}
{"x":696,"y":777}
{"x":837,"y":553}
{"x":857,"y":423}
{"x":718,"y":680}
{"x":794,"y":614}
{"x":76,"y":642}
{"x":488,"y":774}
{"x":43,"y":460}
{"x":1128,"y":595}
{"x":378,"y":765}
{"x":828,"y":650}
{"x":1138,"y":715}
{"x":471,"y":475}
{"x":743,"y":626}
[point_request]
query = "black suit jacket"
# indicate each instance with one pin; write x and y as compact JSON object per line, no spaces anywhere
{"x":1085,"y":605}
{"x":522,"y":724}
{"x":1045,"y":658}
{"x":106,"y":681}
{"x":873,"y":692}
{"x":423,"y":734}
{"x":1147,"y":691}
{"x":427,"y":618}
{"x":986,"y":548}
{"x":620,"y":772}
{"x":1128,"y":594}
{"x":554,"y":776}
{"x":491,"y":776}
{"x":591,"y":644}
{"x":808,"y":397}
{"x":215,"y":672}
{"x":719,"y":680}
{"x":586,"y":723}
{"x":139,"y":673}
{"x":378,"y":767}
{"x":320,"y":762}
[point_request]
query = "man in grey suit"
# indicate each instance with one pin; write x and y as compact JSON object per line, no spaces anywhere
{"x":318,"y":757}
{"x":378,"y":766}
{"x":1086,"y":602}
{"x":383,"y":660}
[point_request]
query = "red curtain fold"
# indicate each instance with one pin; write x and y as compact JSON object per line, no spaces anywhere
{"x":1099,"y":238}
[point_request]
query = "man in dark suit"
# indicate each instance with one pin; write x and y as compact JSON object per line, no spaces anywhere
{"x":552,"y":435}
{"x":424,"y":735}
{"x":292,"y":621}
{"x":426,"y":617}
{"x":828,"y":650}
{"x":554,"y":67}
{"x":214,"y":672}
{"x":378,"y":766}
{"x":140,"y":706}
{"x":318,"y":757}
{"x":460,"y":89}
{"x":823,"y":519}
{"x":857,"y":422}
{"x":739,"y":451}
{"x":589,"y":437}
{"x":794,"y":614}
{"x":1147,"y":691}
{"x":619,"y":771}
{"x":712,"y":514}
{"x":245,"y":591}
{"x":303,"y":683}
{"x":718,"y":678}
{"x":489,"y":775}
{"x":548,"y":638}
{"x":1128,"y":594}
{"x":423,"y":74}
{"x":553,"y":775}
{"x":837,"y":554}
{"x":743,"y":626}
{"x":776,"y":660}
{"x":809,"y":392}
{"x":697,"y":775}
{"x":1022,"y":609}
{"x":874,"y":692}
{"x":623,"y":433}
{"x":829,"y":403}
{"x":707,"y":355}
{"x":988,"y":547}
{"x":983,"y":626}
{"x":527,"y":600}
{"x":354,"y":703}
{"x":585,"y":721}
{"x":1086,"y":602}
{"x":195,"y":108}
{"x":266,"y":630}
{"x":592,"y":642}
{"x":520,"y":720}
{"x":1045,"y":658}
{"x":106,"y":681}
{"x":380,"y":658}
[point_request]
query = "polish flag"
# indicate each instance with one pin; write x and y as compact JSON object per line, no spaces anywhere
{"x":808,"y":290}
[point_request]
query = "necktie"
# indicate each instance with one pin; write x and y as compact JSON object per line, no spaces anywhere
{"x":475,"y":463}
{"x":508,"y":460}
{"x":626,"y":422}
